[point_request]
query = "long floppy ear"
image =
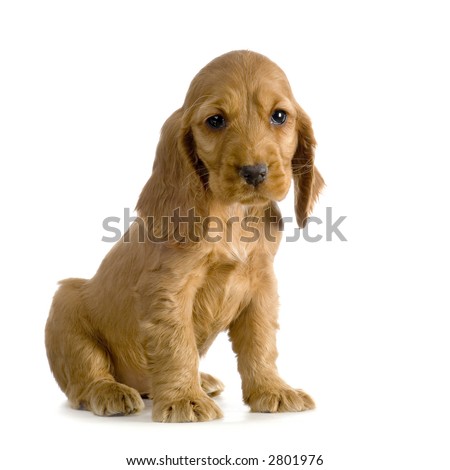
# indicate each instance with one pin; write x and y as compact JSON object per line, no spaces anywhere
{"x":175,"y":185}
{"x":308,"y":182}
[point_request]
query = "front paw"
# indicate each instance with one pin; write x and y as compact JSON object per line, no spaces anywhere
{"x":189,"y":409}
{"x":279,"y":400}
{"x":112,"y":398}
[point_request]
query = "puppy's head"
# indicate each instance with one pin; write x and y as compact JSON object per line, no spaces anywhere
{"x":247,"y":136}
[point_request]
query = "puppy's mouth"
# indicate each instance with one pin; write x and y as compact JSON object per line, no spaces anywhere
{"x":254,"y":199}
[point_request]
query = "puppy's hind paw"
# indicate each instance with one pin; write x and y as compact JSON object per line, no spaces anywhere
{"x":285,"y":399}
{"x":186,"y":410}
{"x":210,"y":385}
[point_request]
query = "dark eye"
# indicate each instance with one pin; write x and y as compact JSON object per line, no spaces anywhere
{"x":216,"y":122}
{"x":278,"y":117}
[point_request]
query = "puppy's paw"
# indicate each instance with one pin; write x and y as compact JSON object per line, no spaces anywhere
{"x":112,"y":398}
{"x":279,"y":400}
{"x":210,"y":385}
{"x":189,"y":409}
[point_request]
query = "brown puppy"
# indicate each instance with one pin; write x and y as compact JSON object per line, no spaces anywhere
{"x":198,"y":260}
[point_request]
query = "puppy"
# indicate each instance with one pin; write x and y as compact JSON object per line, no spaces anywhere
{"x":199,"y":258}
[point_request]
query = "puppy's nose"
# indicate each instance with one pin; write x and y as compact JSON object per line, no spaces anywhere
{"x":254,"y":174}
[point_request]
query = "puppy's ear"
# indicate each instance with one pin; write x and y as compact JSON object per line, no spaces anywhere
{"x":308,"y":182}
{"x":174,"y":183}
{"x":187,"y":147}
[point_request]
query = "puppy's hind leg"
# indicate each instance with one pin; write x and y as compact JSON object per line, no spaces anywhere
{"x":80,"y":363}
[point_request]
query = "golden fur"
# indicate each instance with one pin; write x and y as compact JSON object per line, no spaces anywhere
{"x":140,"y":325}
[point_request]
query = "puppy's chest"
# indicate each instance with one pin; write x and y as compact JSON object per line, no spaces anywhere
{"x":227,"y":284}
{"x":224,"y":292}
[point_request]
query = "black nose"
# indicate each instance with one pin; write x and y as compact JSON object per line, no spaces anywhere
{"x":253,"y":174}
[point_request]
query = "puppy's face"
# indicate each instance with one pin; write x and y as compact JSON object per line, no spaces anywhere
{"x":243,"y":121}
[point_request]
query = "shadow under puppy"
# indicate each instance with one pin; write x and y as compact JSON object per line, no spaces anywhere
{"x":189,"y":267}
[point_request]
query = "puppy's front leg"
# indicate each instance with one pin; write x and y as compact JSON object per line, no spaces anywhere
{"x":253,"y":338}
{"x":173,"y":361}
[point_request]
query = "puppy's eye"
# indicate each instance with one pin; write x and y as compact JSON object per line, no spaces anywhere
{"x":278,"y":117}
{"x":216,"y":122}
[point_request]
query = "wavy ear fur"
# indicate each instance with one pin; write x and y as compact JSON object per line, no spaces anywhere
{"x":308,"y":182}
{"x":177,"y":181}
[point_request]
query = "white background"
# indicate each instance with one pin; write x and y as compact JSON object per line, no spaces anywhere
{"x":85,"y":88}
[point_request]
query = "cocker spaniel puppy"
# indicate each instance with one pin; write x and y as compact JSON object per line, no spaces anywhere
{"x":198,"y":260}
